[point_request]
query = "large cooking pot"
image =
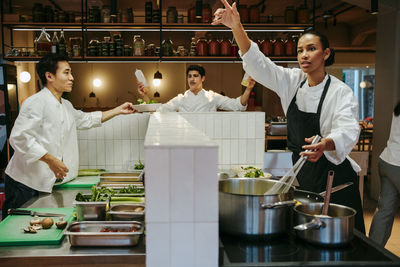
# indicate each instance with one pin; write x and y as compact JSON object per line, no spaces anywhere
{"x":245,"y":210}
{"x":336,"y":229}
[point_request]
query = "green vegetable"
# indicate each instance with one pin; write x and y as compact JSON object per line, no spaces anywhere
{"x":139,"y":166}
{"x":253,"y":172}
{"x":103,"y":194}
{"x":152,"y":101}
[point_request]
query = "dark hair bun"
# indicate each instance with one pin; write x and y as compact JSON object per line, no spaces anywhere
{"x":331,"y":58}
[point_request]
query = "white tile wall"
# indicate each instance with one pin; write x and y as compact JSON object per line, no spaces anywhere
{"x":239,"y":135}
{"x":181,"y":193}
{"x":116,"y":145}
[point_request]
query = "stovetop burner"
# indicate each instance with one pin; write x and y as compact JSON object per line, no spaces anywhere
{"x":289,"y":248}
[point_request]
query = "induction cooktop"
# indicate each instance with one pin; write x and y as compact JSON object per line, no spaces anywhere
{"x":288,"y":250}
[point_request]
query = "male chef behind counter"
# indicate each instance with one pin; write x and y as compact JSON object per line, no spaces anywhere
{"x":196,"y":99}
{"x":44,"y":135}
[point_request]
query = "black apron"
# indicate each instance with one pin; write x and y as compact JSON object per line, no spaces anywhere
{"x":313,"y":175}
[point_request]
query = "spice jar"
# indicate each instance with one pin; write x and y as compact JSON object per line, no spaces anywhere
{"x":290,"y":15}
{"x":105,"y":14}
{"x":206,"y":13}
{"x":254,"y":14}
{"x":172,"y":15}
{"x":226,"y":47}
{"x":202,"y":47}
{"x":181,"y":50}
{"x":192,"y":15}
{"x":180,"y":18}
{"x":214,"y":47}
{"x":266,"y":47}
{"x":303,"y":15}
{"x":138,"y":46}
{"x":244,"y":13}
{"x":290,"y":47}
{"x":279,"y":47}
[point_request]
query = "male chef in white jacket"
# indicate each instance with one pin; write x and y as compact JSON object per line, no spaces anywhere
{"x":44,"y":135}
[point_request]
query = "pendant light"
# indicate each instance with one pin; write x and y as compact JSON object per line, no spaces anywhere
{"x":157,"y":81}
{"x":92,"y":94}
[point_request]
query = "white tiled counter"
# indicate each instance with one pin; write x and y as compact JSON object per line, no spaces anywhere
{"x":181,"y":194}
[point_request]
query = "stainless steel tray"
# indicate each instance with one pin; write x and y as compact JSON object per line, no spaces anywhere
{"x":91,"y":233}
{"x":136,"y":176}
{"x":119,"y":185}
{"x":90,"y":211}
{"x":127,"y":212}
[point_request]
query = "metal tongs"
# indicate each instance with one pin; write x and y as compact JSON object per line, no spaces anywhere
{"x":284,"y":184}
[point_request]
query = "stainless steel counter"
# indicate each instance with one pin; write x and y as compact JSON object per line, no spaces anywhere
{"x":64,"y":254}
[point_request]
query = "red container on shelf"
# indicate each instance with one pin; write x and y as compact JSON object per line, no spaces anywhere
{"x":214,"y":47}
{"x":202,"y":47}
{"x":266,"y":47}
{"x":226,"y":47}
{"x":235,"y":50}
{"x":192,"y":15}
{"x":254,"y":15}
{"x":206,"y":14}
{"x":244,"y":14}
{"x":279,"y":47}
{"x":290,"y":47}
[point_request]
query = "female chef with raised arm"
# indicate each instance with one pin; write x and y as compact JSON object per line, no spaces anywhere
{"x":314,"y":103}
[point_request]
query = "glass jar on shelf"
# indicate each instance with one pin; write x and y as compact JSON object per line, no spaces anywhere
{"x":138,"y":46}
{"x":254,"y":14}
{"x":127,"y":51}
{"x":76,"y":51}
{"x":151,"y":50}
{"x":226,"y":47}
{"x":202,"y":47}
{"x":266,"y":47}
{"x":290,"y":15}
{"x":214,"y":47}
{"x":180,"y":18}
{"x":279,"y":47}
{"x":290,"y":47}
{"x":105,"y":14}
{"x":93,"y":48}
{"x":303,"y":15}
{"x":172,"y":15}
{"x":192,"y":15}
{"x":244,"y":13}
{"x":43,"y":44}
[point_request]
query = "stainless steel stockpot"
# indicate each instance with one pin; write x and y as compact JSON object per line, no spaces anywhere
{"x":336,"y":229}
{"x":245,"y":210}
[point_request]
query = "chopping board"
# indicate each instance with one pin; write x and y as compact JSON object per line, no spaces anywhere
{"x":80,"y":182}
{"x":12,"y":234}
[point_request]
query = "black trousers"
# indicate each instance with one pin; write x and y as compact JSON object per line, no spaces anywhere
{"x":16,"y":194}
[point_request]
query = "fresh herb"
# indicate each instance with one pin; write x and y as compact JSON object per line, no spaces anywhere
{"x":253,"y":172}
{"x":103,"y":193}
{"x":140,"y":101}
{"x":139,"y":166}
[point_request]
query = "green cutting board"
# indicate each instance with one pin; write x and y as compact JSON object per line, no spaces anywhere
{"x":12,"y":233}
{"x":80,"y":182}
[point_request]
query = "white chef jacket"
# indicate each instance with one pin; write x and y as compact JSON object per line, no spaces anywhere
{"x":391,"y":153}
{"x":204,"y":101}
{"x":45,"y":125}
{"x":339,"y":111}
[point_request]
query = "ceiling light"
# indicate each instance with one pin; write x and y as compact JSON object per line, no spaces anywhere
{"x":97,"y":82}
{"x":157,"y":78}
{"x":25,"y":76}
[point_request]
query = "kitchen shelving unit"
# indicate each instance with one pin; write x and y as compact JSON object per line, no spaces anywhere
{"x":85,"y":28}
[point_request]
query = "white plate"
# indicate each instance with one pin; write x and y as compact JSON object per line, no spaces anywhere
{"x":147,"y":107}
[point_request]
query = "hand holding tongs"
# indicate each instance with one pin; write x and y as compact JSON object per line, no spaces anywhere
{"x":287,"y":180}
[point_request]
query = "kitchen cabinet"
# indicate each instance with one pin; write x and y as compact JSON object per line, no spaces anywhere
{"x":153,"y":33}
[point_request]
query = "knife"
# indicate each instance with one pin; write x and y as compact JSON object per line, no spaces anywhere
{"x":33,"y":213}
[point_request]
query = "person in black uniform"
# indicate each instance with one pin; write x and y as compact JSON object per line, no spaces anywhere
{"x":315,"y":103}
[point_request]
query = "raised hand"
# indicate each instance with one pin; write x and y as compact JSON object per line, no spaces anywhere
{"x":229,"y":16}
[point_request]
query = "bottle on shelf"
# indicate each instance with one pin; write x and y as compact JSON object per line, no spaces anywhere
{"x":206,"y":14}
{"x":62,"y":44}
{"x":192,"y":15}
{"x":105,"y":14}
{"x":138,"y":46}
{"x":226,"y":47}
{"x":172,"y":15}
{"x":192,"y":51}
{"x":214,"y":47}
{"x":199,"y":11}
{"x":303,"y":15}
{"x":202,"y":47}
{"x":43,"y":44}
{"x":148,"y":9}
{"x":54,"y":43}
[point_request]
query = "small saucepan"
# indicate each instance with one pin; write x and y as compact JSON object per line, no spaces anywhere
{"x":304,"y":197}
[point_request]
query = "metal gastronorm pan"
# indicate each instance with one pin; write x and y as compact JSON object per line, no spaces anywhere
{"x":136,"y":176}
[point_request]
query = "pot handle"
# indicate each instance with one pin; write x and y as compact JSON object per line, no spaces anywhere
{"x":277,"y":204}
{"x":313,"y":224}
